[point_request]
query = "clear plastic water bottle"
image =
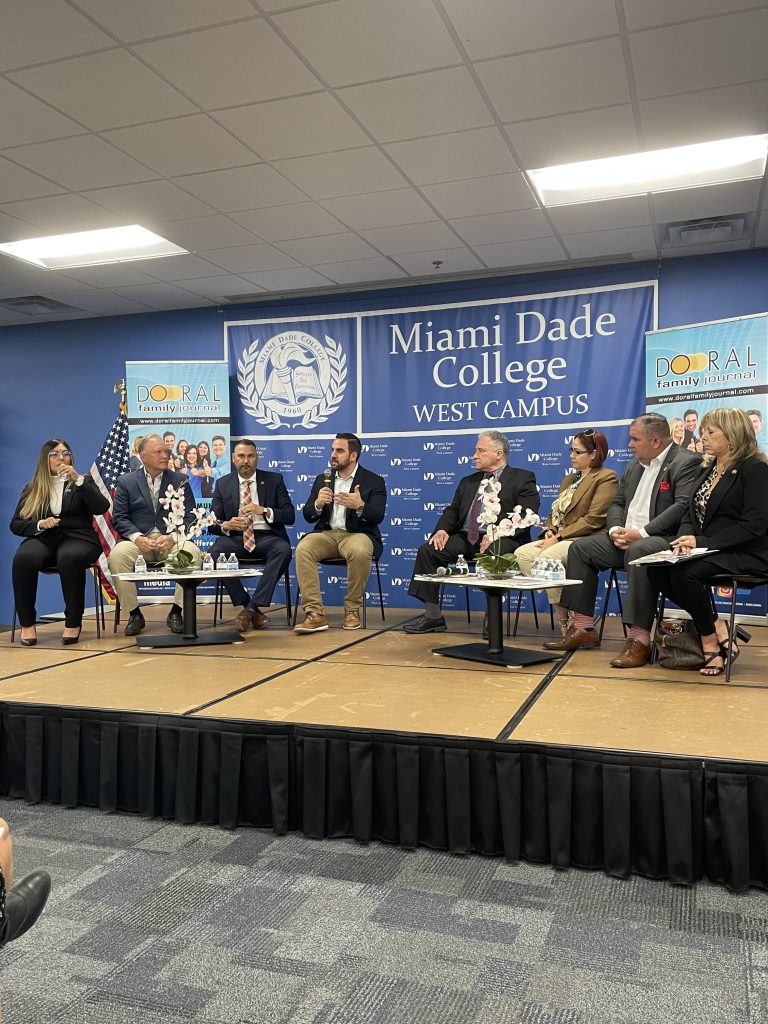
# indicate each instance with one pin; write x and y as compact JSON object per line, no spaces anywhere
{"x":207,"y":564}
{"x":558,"y":571}
{"x":546,"y":569}
{"x":461,"y":566}
{"x":232,"y":562}
{"x":221,"y":562}
{"x":140,"y":565}
{"x":537,"y":569}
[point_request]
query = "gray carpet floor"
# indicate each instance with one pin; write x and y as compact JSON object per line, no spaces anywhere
{"x":156,"y":923}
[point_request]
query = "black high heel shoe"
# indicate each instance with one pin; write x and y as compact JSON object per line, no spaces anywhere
{"x":28,"y":641}
{"x":69,"y":640}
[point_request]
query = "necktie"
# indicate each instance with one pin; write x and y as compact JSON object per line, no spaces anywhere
{"x":249,"y":538}
{"x":473,"y":528}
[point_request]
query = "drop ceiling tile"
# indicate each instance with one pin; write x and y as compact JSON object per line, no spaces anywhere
{"x":299,"y":220}
{"x":569,"y":138}
{"x":609,"y":243}
{"x":148,"y":201}
{"x":218,"y":287}
{"x":177,"y":268}
{"x":359,"y":271}
{"x":11,"y":228}
{"x":19,"y":183}
{"x":412,"y":238}
{"x":289,"y":280}
{"x":182,"y":145}
{"x":359,"y":40}
{"x":709,"y":114}
{"x":700,"y":54}
{"x":200,"y":233}
{"x":294,"y":127}
{"x":95,"y":300}
{"x":649,"y":13}
{"x":713,"y":201}
{"x":497,"y":29}
{"x":163,"y":296}
{"x":556,"y":81}
{"x":615,"y":213}
{"x":241,"y":188}
{"x":454,"y":261}
{"x":250,"y":258}
{"x":328,"y":248}
{"x":451,"y":157}
{"x":340,"y":174}
{"x":230,"y":65}
{"x":381,"y":209}
{"x":526,"y":253}
{"x":35,"y":281}
{"x":45,"y":30}
{"x":477,"y":196}
{"x":68,"y":212}
{"x":81,"y":163}
{"x":109,"y":275}
{"x":502,"y":227}
{"x":23,"y":118}
{"x":142,"y":19}
{"x":427,"y":104}
{"x":104,"y":90}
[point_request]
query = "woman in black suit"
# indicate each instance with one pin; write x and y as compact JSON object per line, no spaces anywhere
{"x":54,"y":514}
{"x":728,"y":512}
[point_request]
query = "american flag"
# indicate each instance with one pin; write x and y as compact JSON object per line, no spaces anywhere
{"x":112,"y":461}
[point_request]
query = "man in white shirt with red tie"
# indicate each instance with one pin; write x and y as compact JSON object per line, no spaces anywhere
{"x":252,"y":510}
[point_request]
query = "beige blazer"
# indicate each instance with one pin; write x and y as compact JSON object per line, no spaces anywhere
{"x":588,"y":510}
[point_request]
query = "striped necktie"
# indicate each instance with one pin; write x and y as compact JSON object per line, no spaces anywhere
{"x":249,"y":538}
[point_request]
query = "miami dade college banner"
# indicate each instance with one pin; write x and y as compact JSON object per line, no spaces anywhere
{"x":418,"y":384}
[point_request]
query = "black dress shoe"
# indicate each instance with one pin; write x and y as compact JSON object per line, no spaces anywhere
{"x":69,"y":640}
{"x":29,"y":641}
{"x":135,"y":624}
{"x":175,"y":622}
{"x":24,"y":903}
{"x":426,"y":625}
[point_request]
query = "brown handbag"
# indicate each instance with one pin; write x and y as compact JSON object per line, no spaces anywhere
{"x":678,"y":644}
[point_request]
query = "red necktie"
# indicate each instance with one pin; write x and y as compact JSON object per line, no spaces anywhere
{"x":249,"y":538}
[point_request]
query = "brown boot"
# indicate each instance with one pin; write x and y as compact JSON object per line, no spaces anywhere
{"x":315,"y":622}
{"x":351,"y":619}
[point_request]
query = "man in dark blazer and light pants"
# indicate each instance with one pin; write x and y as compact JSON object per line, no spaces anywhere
{"x":644,"y":517}
{"x":450,"y":539}
{"x":251,"y":495}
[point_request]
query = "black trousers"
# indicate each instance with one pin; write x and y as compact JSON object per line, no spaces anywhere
{"x":428,"y":559}
{"x":70,"y":555}
{"x":277,"y":552}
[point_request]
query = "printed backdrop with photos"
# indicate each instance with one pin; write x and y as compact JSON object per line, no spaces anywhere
{"x":418,"y":384}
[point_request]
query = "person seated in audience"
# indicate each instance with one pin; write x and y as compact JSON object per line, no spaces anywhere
{"x":20,"y":904}
{"x":55,"y":516}
{"x":580,"y":509}
{"x":727,"y":512}
{"x":677,"y":430}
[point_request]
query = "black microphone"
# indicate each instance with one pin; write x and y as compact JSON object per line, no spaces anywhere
{"x":328,"y":477}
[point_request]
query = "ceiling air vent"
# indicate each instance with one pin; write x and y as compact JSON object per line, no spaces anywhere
{"x":732,"y":227}
{"x":37,"y":305}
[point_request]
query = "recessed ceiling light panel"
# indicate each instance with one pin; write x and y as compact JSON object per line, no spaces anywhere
{"x":92,"y":248}
{"x":662,"y":170}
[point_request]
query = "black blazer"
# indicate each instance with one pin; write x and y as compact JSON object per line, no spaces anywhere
{"x":373,"y":491}
{"x":78,"y":506}
{"x":518,"y":487}
{"x":736,"y":520}
{"x":272,"y":494}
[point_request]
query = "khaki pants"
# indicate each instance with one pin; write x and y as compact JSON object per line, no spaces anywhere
{"x":122,"y":558}
{"x":528,"y":553}
{"x":355,"y":548}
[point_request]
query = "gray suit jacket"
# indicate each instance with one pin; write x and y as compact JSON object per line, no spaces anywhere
{"x":670,"y":495}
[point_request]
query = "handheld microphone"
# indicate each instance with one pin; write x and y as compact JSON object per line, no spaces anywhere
{"x":328,"y":477}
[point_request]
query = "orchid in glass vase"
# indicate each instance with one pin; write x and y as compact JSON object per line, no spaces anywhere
{"x":173,"y":501}
{"x":492,"y":560}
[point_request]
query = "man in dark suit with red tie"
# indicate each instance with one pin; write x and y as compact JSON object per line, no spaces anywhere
{"x":252,"y":510}
{"x":458,"y":532}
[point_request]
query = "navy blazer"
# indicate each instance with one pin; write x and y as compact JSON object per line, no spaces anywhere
{"x":132,"y":510}
{"x":272,"y":494}
{"x":373,"y":491}
{"x":518,"y":487}
{"x":669,"y":498}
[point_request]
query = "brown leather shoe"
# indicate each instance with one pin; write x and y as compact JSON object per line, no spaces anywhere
{"x":250,"y":618}
{"x":351,"y":620}
{"x":315,"y":622}
{"x":573,"y":639}
{"x":633,"y":655}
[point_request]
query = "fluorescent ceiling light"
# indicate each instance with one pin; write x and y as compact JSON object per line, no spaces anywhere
{"x":91,"y":248}
{"x":708,"y":163}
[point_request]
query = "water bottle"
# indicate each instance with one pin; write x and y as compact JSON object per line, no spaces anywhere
{"x":207,"y":563}
{"x":221,"y":562}
{"x":140,"y":564}
{"x":537,"y":569}
{"x":461,"y":566}
{"x":558,"y":571}
{"x":232,"y":562}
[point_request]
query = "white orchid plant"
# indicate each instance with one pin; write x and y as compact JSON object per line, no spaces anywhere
{"x":173,"y":502}
{"x":493,"y":561}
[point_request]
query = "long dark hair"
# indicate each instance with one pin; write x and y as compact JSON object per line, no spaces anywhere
{"x":38,"y":491}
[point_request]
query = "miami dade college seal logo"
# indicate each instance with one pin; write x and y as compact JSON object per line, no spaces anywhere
{"x":292,"y":377}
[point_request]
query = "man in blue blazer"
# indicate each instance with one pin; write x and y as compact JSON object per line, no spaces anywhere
{"x":252,"y":510}
{"x":137,"y":515}
{"x":346,"y":505}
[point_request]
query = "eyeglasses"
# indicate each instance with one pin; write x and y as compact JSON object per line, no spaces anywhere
{"x":578,"y":451}
{"x":59,"y":455}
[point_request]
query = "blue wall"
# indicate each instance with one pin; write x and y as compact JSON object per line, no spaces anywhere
{"x":59,"y":377}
